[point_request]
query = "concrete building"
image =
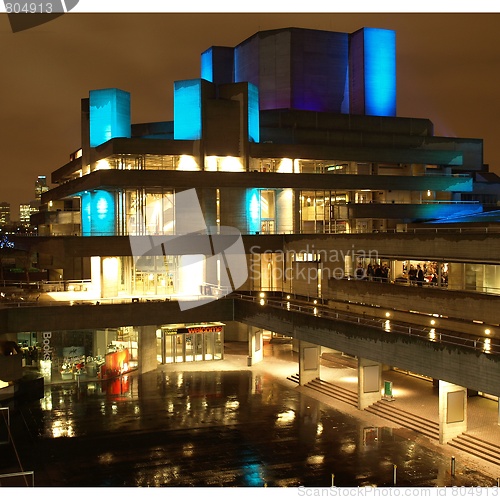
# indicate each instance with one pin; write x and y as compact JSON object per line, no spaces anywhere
{"x":285,"y":171}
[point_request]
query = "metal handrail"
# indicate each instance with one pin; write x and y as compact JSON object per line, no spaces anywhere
{"x":468,"y":341}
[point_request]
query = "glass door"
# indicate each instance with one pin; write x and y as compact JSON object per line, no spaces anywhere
{"x":179,"y":345}
{"x":208,"y":341}
{"x":190,"y":346}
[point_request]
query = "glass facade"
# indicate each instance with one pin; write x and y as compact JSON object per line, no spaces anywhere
{"x":190,"y":343}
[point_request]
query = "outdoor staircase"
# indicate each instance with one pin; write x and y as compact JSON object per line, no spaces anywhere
{"x":333,"y":391}
{"x":294,"y":378}
{"x":477,"y":447}
{"x":387,"y":410}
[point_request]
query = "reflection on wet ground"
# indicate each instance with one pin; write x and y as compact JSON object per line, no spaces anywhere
{"x":213,"y":428}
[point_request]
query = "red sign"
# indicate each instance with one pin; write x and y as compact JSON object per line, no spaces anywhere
{"x":205,"y":329}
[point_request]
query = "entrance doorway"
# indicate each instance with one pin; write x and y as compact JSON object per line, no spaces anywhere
{"x":190,"y":343}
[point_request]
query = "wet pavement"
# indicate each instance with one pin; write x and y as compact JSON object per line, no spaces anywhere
{"x":211,"y":424}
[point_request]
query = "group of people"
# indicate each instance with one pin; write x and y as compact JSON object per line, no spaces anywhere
{"x":426,"y":274}
{"x":415,"y":275}
{"x":374,"y":272}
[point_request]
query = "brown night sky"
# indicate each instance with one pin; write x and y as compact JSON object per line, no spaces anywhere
{"x":448,"y":70}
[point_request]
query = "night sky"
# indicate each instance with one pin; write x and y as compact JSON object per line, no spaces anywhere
{"x":448,"y":70}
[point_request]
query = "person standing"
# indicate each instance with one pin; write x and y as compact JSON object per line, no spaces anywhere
{"x":420,"y":276}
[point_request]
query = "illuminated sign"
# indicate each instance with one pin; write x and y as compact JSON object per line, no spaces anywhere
{"x":205,"y":329}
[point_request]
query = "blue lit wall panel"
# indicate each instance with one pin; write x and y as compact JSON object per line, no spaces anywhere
{"x":345,"y":106}
{"x":109,"y":115}
{"x":206,"y":65}
{"x":380,"y":72}
{"x":246,"y":63}
{"x":275,"y":70}
{"x":447,"y":212}
{"x":356,"y":73}
{"x":253,"y":114}
{"x":98,"y":213}
{"x":103,"y":213}
{"x":217,"y":65}
{"x":187,"y":110}
{"x":85,"y":208}
{"x":319,"y":70}
{"x":253,"y":210}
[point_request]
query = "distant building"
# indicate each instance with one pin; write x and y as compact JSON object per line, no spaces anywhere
{"x":40,"y":186}
{"x":4,"y":213}
{"x":26,"y":210}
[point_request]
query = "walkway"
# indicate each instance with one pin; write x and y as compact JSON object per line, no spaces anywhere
{"x":412,"y":394}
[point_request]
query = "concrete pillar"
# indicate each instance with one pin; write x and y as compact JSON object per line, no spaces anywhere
{"x":369,"y":382}
{"x":100,"y":343}
{"x":452,"y":411}
{"x":309,"y":361}
{"x":456,"y":276}
{"x":296,"y":212}
{"x":498,"y":421}
{"x":284,"y":211}
{"x":255,"y":345}
{"x":146,"y":351}
{"x":110,"y":276}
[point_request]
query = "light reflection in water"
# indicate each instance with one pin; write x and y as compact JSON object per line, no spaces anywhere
{"x":232,"y":404}
{"x":285,"y":417}
{"x":62,"y":428}
{"x":46,"y":402}
{"x":315,"y":459}
{"x":188,"y":449}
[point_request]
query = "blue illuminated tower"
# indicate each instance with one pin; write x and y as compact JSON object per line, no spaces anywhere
{"x":372,"y":60}
{"x":312,"y":70}
{"x":109,"y":115}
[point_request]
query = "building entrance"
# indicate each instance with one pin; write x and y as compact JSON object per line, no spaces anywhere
{"x":189,"y":343}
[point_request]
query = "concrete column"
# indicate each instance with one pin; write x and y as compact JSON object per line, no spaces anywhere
{"x":498,"y":421}
{"x":309,"y":365}
{"x":369,"y":382}
{"x":456,"y":276}
{"x":255,"y":345}
{"x":296,"y":212}
{"x":100,"y":343}
{"x":452,"y":411}
{"x":146,"y":351}
{"x":284,"y":211}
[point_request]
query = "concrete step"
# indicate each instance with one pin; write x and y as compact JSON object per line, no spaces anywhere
{"x":477,"y":447}
{"x":294,"y":378}
{"x":406,"y":419}
{"x":390,"y":406}
{"x":334,"y":391}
